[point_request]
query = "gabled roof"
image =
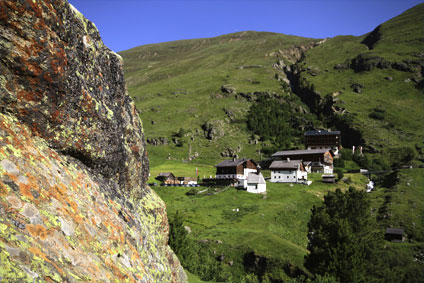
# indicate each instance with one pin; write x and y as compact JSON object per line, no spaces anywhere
{"x":321,"y":133}
{"x":165,"y":174}
{"x":396,"y":231}
{"x":301,"y":152}
{"x":234,"y":163}
{"x":255,"y":178}
{"x":285,"y":164}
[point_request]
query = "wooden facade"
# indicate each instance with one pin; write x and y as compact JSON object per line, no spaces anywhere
{"x":322,"y":156}
{"x":323,"y":139}
{"x":235,"y":167}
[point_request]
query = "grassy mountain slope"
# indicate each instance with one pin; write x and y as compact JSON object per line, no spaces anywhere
{"x":178,"y":85}
{"x":369,"y":86}
{"x":388,"y":63}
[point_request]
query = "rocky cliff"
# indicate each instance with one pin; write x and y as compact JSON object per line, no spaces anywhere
{"x":74,"y":205}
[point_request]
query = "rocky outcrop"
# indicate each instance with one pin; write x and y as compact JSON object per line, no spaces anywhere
{"x":372,"y":38}
{"x":213,"y":129}
{"x":365,"y":62}
{"x":158,"y":141}
{"x":73,"y":166}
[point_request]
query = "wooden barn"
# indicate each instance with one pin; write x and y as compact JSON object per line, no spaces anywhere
{"x":394,"y":234}
{"x":167,"y":178}
{"x":237,"y":169}
{"x":323,"y":139}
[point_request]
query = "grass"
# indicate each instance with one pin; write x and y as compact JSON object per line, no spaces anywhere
{"x":178,"y":85}
{"x":192,"y":278}
{"x":272,"y":226}
{"x":401,"y":39}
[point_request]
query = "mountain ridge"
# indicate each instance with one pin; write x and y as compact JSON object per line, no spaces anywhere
{"x":217,"y":66}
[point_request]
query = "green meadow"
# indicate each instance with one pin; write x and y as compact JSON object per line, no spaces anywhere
{"x":272,"y":225}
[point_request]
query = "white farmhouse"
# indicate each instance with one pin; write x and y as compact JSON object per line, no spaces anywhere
{"x":256,"y":183}
{"x":288,"y":171}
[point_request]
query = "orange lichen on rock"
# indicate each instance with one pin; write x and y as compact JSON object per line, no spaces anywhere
{"x":38,"y":231}
{"x":73,"y":197}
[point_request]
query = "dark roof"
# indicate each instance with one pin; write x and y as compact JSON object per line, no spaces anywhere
{"x":255,"y":178}
{"x":285,"y":164}
{"x":328,"y":176}
{"x":233,"y":163}
{"x":301,"y":152}
{"x":321,"y":133}
{"x":165,"y":174}
{"x":396,"y":231}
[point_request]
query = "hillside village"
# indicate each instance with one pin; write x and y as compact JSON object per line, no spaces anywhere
{"x":290,"y":166}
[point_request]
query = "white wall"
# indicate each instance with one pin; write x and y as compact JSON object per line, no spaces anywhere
{"x":328,"y":169}
{"x":256,"y":188}
{"x":288,"y":176}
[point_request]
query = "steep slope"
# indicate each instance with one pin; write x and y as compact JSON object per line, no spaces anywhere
{"x":73,"y":166}
{"x":206,"y":87}
{"x":369,"y":86}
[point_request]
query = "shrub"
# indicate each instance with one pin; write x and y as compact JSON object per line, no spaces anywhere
{"x":339,"y":173}
{"x":339,"y":162}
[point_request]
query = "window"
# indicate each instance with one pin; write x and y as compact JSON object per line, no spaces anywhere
{"x":288,"y":177}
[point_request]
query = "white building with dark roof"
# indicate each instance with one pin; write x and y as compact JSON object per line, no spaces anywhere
{"x":256,"y":183}
{"x":288,"y":171}
{"x":321,"y":159}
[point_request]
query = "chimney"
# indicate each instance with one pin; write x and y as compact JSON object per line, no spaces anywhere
{"x":258,"y":169}
{"x":288,"y":159}
{"x":234,"y":159}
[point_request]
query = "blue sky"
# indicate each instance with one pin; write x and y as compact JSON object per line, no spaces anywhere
{"x":124,"y":24}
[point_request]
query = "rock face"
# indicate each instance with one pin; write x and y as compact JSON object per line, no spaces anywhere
{"x":74,"y":205}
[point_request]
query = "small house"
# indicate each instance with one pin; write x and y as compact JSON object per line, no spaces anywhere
{"x":256,"y":183}
{"x":323,"y":139}
{"x":329,"y":178}
{"x":288,"y":171}
{"x":167,"y":178}
{"x":394,"y":234}
{"x":321,"y":159}
{"x":237,"y":170}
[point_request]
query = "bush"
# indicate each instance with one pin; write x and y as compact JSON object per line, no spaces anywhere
{"x":192,"y":192}
{"x":339,"y":173}
{"x":399,"y":156}
{"x":339,"y":162}
{"x":180,"y":133}
{"x":346,"y":154}
{"x":376,"y":115}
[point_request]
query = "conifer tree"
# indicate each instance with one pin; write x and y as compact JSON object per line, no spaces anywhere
{"x":343,"y":240}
